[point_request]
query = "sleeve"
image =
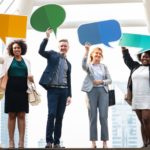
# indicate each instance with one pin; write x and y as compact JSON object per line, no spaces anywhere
{"x":107,"y":79}
{"x":131,"y":64}
{"x":85,"y":66}
{"x":42,"y":51}
{"x":69,"y":84}
{"x":27,"y":62}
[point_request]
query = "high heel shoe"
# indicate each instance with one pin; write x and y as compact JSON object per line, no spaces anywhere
{"x":105,"y":146}
{"x":11,"y":144}
{"x":93,"y":146}
{"x":21,"y":145}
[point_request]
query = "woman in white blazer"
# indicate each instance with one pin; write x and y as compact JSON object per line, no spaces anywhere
{"x":18,"y":71}
{"x":96,"y":86}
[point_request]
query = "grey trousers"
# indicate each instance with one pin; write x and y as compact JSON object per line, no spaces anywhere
{"x":98,"y":100}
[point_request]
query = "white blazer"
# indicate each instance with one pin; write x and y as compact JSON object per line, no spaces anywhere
{"x":6,"y":62}
{"x":88,"y":81}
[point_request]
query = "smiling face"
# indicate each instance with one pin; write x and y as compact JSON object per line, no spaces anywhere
{"x":16,"y":50}
{"x":63,"y":46}
{"x":96,"y":55}
{"x":145,"y":58}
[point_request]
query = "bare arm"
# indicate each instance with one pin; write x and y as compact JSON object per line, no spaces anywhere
{"x":1,"y":60}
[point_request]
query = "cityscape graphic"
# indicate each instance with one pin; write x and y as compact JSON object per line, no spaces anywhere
{"x":123,"y":124}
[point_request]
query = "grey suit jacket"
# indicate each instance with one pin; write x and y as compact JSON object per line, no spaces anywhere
{"x":88,"y":81}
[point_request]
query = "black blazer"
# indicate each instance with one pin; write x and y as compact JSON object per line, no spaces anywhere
{"x":52,"y":65}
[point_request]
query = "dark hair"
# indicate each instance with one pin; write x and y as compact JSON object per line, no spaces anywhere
{"x":63,"y":40}
{"x":139,"y":55}
{"x":21,"y":43}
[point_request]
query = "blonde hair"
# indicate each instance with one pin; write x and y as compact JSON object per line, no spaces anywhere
{"x":95,"y":49}
{"x":63,"y":40}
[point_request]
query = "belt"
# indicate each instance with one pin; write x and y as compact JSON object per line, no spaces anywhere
{"x":59,"y":86}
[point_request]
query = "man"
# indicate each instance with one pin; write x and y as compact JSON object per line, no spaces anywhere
{"x":56,"y":79}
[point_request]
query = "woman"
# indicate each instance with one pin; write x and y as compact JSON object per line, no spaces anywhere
{"x":140,"y":77}
{"x":96,"y":87}
{"x":18,"y":71}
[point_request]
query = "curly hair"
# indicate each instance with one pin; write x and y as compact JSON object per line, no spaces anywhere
{"x":139,"y":55}
{"x":22,"y":45}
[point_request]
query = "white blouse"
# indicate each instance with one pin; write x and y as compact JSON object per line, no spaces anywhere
{"x":141,"y":88}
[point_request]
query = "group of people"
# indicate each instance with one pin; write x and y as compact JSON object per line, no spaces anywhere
{"x":56,"y":79}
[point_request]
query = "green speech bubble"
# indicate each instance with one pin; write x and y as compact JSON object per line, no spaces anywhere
{"x":50,"y":15}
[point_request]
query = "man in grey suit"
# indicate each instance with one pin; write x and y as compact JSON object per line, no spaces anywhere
{"x":56,"y":79}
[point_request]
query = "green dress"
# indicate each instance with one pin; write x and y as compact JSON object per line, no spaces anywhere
{"x":16,"y":97}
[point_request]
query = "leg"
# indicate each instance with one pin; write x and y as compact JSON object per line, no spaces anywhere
{"x":146,"y":122}
{"x":61,"y":106}
{"x":144,"y":137}
{"x":103,"y":115}
{"x":21,"y":128}
{"x":93,"y":144}
{"x":11,"y":128}
{"x":52,"y":107}
{"x":105,"y":144}
{"x":92,"y":112}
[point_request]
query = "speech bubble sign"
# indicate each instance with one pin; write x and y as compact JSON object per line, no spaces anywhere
{"x":135,"y":40}
{"x":12,"y":26}
{"x":50,"y":15}
{"x":99,"y":32}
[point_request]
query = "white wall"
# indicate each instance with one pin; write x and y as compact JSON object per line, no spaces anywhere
{"x":75,"y":128}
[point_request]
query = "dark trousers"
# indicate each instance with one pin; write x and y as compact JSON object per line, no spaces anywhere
{"x":57,"y":98}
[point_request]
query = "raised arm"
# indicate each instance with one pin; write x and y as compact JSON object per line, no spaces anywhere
{"x":131,"y":64}
{"x":85,"y":57}
{"x":42,"y":51}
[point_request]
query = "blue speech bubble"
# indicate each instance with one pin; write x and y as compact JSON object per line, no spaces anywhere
{"x":99,"y":32}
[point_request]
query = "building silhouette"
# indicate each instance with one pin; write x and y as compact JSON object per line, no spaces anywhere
{"x":125,"y":125}
{"x":41,"y":143}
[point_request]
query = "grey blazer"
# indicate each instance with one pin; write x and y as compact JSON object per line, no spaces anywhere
{"x":88,"y":81}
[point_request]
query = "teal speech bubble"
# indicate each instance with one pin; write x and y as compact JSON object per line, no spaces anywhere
{"x":50,"y":15}
{"x":135,"y":40}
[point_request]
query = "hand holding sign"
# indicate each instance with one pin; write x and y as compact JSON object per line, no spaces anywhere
{"x":99,"y":32}
{"x":48,"y":16}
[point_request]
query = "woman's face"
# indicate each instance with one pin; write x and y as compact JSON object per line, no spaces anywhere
{"x":145,"y":59}
{"x":16,"y":49}
{"x":97,"y":54}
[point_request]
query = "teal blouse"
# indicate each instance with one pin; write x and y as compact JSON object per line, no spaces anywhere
{"x":17,"y":68}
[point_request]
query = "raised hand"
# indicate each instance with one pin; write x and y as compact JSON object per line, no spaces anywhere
{"x":48,"y":32}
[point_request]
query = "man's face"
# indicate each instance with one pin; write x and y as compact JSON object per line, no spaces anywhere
{"x":63,"y":47}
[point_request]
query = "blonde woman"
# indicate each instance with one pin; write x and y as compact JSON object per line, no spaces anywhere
{"x":96,"y":87}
